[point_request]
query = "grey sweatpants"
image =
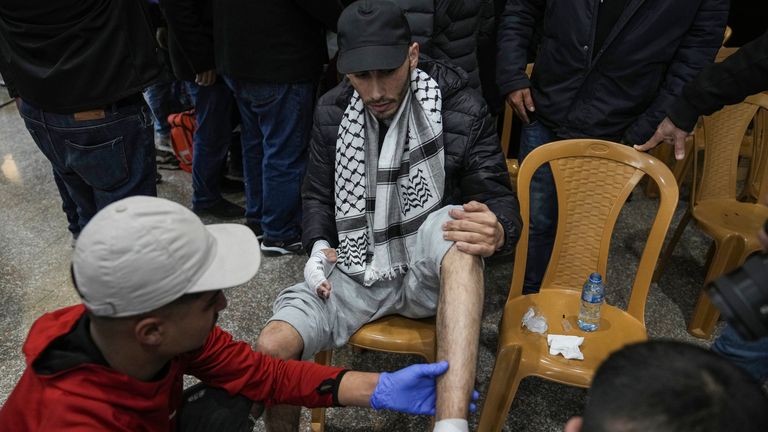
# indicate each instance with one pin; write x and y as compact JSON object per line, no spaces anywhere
{"x":325,"y":324}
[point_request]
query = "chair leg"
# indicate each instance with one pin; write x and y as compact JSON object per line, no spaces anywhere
{"x":502,"y":387}
{"x":317,"y":423}
{"x":727,"y":256}
{"x":667,"y":254}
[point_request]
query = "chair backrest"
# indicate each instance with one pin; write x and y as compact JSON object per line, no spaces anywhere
{"x":593,"y":180}
{"x":757,"y":180}
{"x":723,"y":133}
{"x":727,"y":34}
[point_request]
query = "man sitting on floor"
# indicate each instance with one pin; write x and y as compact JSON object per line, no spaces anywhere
{"x":394,"y":148}
{"x":151,"y":275}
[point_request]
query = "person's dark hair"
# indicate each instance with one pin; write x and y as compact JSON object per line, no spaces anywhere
{"x":667,"y":386}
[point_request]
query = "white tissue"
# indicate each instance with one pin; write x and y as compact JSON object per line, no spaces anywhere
{"x":568,"y":346}
{"x":535,"y":322}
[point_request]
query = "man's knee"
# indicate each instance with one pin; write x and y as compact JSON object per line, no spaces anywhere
{"x":430,"y":242}
{"x":279,"y":339}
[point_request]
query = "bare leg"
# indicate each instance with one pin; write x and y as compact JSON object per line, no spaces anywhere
{"x":279,"y":339}
{"x":459,"y":312}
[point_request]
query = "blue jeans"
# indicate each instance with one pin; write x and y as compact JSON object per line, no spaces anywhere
{"x":751,"y":356}
{"x":68,"y":205}
{"x":276,"y":120}
{"x":543,"y":208}
{"x":101,"y":160}
{"x":213,"y":113}
{"x":158,"y":97}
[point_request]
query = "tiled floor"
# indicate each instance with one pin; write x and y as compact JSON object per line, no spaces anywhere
{"x":35,"y":252}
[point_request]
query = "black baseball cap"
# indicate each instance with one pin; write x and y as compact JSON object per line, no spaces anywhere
{"x":373,"y":35}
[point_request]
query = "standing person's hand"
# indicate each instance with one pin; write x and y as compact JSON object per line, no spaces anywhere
{"x":475,"y":229}
{"x":521,"y":102}
{"x":668,"y":133}
{"x":316,"y":271}
{"x":206,"y":78}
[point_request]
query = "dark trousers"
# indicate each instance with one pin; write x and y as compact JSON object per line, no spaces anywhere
{"x":275,"y":124}
{"x":543,"y":208}
{"x":99,"y":158}
{"x":213,"y":409}
{"x":213,"y":136}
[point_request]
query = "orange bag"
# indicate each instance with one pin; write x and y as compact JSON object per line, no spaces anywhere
{"x":183,"y":127}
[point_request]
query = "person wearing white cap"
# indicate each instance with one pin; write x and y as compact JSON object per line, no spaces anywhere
{"x":151,"y":276}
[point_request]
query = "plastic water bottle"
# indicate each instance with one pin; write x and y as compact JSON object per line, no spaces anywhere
{"x":591,"y":299}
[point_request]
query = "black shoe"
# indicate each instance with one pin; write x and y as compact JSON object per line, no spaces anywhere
{"x":223,"y":209}
{"x":277,"y":248}
{"x":256,"y":228}
{"x":228,"y":185}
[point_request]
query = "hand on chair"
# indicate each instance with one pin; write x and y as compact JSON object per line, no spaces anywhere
{"x":668,"y":133}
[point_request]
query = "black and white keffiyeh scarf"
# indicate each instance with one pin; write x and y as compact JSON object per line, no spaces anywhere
{"x":382,"y":199}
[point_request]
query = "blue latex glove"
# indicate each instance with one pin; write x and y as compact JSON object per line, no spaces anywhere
{"x":411,"y":390}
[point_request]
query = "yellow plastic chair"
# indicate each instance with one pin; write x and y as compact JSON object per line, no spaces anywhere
{"x":593,"y":180}
{"x":733,"y":225}
{"x":727,"y":34}
{"x":757,"y":179}
{"x":682,"y":168}
{"x":392,"y":333}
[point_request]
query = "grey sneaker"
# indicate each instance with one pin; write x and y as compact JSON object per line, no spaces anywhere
{"x":277,"y":248}
{"x":163,"y":143}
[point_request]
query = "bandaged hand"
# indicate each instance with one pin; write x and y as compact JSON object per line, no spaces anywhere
{"x":318,"y":267}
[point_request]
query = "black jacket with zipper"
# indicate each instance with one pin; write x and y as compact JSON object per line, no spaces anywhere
{"x":621,"y":92}
{"x":67,"y":56}
{"x":475,"y":168}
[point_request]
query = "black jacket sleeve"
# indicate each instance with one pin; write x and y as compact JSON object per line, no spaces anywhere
{"x":486,"y":179}
{"x":742,"y":74}
{"x":192,"y":33}
{"x":515,"y":31}
{"x":318,"y":192}
{"x":696,"y":50}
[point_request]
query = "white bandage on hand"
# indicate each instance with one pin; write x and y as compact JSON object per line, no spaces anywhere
{"x":317,"y":269}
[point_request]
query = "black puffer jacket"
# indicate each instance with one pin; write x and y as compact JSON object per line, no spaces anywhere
{"x":475,"y":168}
{"x":622,"y":91}
{"x":447,"y":30}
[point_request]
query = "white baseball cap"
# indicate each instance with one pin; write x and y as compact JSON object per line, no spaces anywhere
{"x":141,"y":253}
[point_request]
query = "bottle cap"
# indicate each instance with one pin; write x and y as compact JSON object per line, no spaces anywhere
{"x":595,"y":277}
